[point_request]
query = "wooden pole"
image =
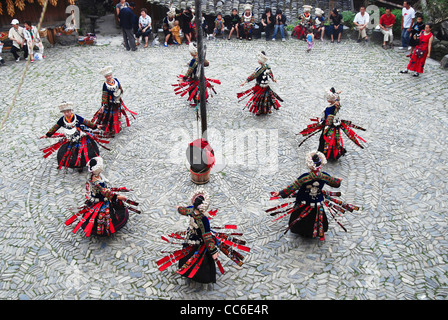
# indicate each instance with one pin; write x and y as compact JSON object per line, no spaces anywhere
{"x":201,"y":58}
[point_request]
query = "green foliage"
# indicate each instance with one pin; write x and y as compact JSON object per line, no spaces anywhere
{"x":437,"y":10}
{"x":348,"y":17}
{"x":290,"y":27}
{"x":397,"y":24}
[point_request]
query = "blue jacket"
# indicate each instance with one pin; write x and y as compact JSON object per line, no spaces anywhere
{"x":127,"y":18}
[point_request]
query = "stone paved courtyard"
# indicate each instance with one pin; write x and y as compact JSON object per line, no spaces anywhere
{"x":395,"y":247}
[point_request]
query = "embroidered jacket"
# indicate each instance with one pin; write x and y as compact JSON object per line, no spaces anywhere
{"x":247,"y":20}
{"x":261,"y":74}
{"x":100,"y":192}
{"x":76,"y":121}
{"x":203,"y":227}
{"x":111,"y":93}
{"x":309,"y":186}
{"x":330,"y":113}
{"x":192,"y":71}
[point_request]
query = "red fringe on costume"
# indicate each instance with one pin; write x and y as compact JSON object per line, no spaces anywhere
{"x":334,"y":206}
{"x":111,"y":119}
{"x":227,"y":243}
{"x":262,"y":100}
{"x":81,"y":152}
{"x":191,"y":87}
{"x":333,"y":142}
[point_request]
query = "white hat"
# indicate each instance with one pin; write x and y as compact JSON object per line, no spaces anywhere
{"x":319,"y":11}
{"x":330,"y":96}
{"x":248,"y":7}
{"x":172,"y":12}
{"x":192,"y":47}
{"x":310,"y":162}
{"x":15,"y":21}
{"x":98,"y":167}
{"x":261,"y":57}
{"x":64,"y":106}
{"x":106,"y":71}
{"x":307,"y":8}
{"x":205,"y":204}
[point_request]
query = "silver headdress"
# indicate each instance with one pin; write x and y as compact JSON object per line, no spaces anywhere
{"x":311,"y":164}
{"x":205,"y":204}
{"x":98,"y":167}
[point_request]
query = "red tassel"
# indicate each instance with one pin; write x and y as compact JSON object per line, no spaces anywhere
{"x":221,"y":269}
{"x":191,"y":261}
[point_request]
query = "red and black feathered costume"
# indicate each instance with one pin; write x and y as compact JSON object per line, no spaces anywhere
{"x":102,"y":213}
{"x":188,"y":84}
{"x":78,"y":143}
{"x":307,"y":214}
{"x":112,"y":109}
{"x":331,"y":127}
{"x":200,"y":243}
{"x":262,"y":98}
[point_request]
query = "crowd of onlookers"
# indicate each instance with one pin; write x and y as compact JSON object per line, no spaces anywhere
{"x":24,"y":39}
{"x":178,"y":27}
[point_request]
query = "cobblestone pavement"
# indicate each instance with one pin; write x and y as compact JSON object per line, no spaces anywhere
{"x":395,"y":247}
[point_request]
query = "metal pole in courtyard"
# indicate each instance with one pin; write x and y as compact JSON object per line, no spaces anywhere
{"x":201,"y":58}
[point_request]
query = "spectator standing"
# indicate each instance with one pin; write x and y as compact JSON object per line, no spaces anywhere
{"x":421,"y":52}
{"x":407,"y":20}
{"x":185,"y":23}
{"x":120,"y":5}
{"x":18,"y":40}
{"x":268,"y":22}
{"x":361,"y":21}
{"x":144,"y":26}
{"x":32,"y":38}
{"x":234,"y":23}
{"x":336,"y":26}
{"x":127,"y":18}
{"x":387,"y":22}
{"x":279,"y":24}
{"x":417,"y":29}
{"x":310,"y":39}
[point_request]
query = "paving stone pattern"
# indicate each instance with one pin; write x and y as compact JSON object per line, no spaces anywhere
{"x":395,"y":247}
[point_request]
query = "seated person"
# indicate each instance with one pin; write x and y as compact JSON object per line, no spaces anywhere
{"x":144,"y":27}
{"x":168,"y":24}
{"x":219,"y":26}
{"x":318,"y":24}
{"x":336,"y":26}
{"x":247,"y":23}
{"x":234,"y":22}
{"x":175,"y":31}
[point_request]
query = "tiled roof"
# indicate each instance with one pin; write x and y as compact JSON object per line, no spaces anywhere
{"x":291,"y":8}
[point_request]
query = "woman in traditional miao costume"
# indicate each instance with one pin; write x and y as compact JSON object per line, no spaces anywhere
{"x":307,"y":214}
{"x":263,"y":97}
{"x":78,"y":142}
{"x":105,"y":211}
{"x":201,"y":243}
{"x":112,"y":106}
{"x":304,"y":24}
{"x":247,"y":23}
{"x":188,"y":84}
{"x":331,"y":143}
